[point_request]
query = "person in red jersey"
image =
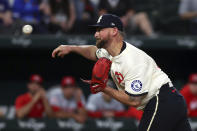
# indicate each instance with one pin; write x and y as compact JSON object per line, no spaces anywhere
{"x":34,"y":103}
{"x":189,"y":92}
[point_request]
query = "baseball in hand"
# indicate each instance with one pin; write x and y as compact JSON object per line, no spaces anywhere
{"x":27,"y":29}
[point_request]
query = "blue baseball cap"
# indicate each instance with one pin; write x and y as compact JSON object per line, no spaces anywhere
{"x":107,"y":21}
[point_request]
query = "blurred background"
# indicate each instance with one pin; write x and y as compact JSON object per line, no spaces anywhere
{"x":41,"y":93}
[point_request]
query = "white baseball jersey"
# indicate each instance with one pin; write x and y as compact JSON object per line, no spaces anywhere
{"x":136,"y":73}
{"x":96,"y":102}
{"x":56,"y":98}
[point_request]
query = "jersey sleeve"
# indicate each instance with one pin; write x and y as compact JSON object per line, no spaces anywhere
{"x":103,"y":53}
{"x":54,"y":101}
{"x":137,"y":81}
{"x":19,"y":103}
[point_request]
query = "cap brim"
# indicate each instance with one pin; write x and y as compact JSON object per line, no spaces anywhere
{"x":96,"y":26}
{"x":101,"y":26}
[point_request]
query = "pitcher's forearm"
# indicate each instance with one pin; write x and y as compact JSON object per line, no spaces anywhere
{"x":121,"y":96}
{"x":87,"y":51}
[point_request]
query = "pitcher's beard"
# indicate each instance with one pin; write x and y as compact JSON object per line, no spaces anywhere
{"x":101,"y":43}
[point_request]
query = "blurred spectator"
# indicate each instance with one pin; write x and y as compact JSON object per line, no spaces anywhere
{"x":3,"y":110}
{"x":86,"y":15}
{"x":189,"y":92}
{"x":68,"y":101}
{"x":5,"y":17}
{"x":28,"y":12}
{"x":134,"y":113}
{"x":188,"y":11}
{"x":85,"y":10}
{"x":45,"y":12}
{"x":62,"y":15}
{"x":34,"y":103}
{"x":95,"y":3}
{"x":44,"y":7}
{"x":101,"y":105}
{"x":130,"y":19}
{"x":1,"y":114}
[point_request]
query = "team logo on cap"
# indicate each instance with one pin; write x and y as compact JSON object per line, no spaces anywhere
{"x":112,"y":24}
{"x":99,"y":19}
{"x":136,"y":85}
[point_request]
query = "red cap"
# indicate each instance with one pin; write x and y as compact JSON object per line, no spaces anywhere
{"x":36,"y":78}
{"x":193,"y":78}
{"x":68,"y":81}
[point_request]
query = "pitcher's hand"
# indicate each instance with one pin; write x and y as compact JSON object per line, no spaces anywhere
{"x":61,"y":51}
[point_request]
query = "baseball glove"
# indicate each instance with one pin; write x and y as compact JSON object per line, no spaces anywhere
{"x":100,"y":75}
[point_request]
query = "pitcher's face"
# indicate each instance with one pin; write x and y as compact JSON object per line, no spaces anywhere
{"x":102,"y":36}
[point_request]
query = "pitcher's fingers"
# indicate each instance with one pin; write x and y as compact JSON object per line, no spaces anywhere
{"x":60,"y":54}
{"x":86,"y":81}
{"x":55,"y":51}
